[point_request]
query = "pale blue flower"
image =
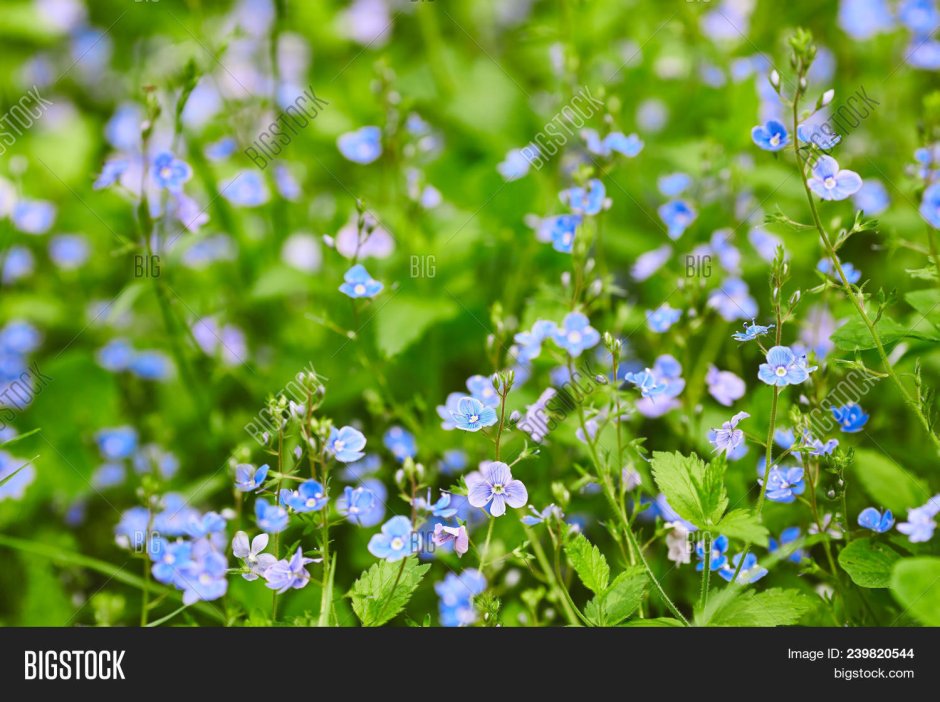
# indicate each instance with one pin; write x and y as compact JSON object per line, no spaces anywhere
{"x":830,"y":182}
{"x":473,"y":415}
{"x":396,"y":541}
{"x":576,"y":334}
{"x":346,"y":444}
{"x":358,"y":283}
{"x":362,"y":146}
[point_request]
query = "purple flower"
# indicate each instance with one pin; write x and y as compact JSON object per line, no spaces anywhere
{"x":729,"y":437}
{"x":832,"y":183}
{"x":256,"y":561}
{"x":724,"y":386}
{"x":284,"y":575}
{"x":445,"y":534}
{"x":648,"y":263}
{"x":783,"y":367}
{"x":494,"y":487}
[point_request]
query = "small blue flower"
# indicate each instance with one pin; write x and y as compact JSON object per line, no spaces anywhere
{"x":270,"y":518}
{"x":309,"y":497}
{"x":284,"y":575}
{"x":663,"y":317}
{"x":784,"y":484}
{"x":448,"y":410}
{"x":647,"y":383}
{"x":529,"y":344}
{"x":921,"y":522}
{"x":576,"y":334}
{"x":787,"y":536}
{"x":517,"y":163}
{"x":920,"y":16}
{"x":346,"y":444}
{"x":33,"y":216}
{"x":538,"y":517}
{"x":825,"y":266}
{"x":930,"y":205}
{"x":751,"y":332}
{"x":116,"y":444}
{"x":456,"y":593}
{"x":442,"y":508}
{"x":674,"y":184}
{"x":395,"y":541}
{"x":111,"y":172}
{"x":221,"y":149}
{"x":204,"y":577}
{"x":733,"y":300}
{"x":813,"y":134}
{"x":851,"y":417}
{"x":170,"y":172}
{"x":200,"y":525}
{"x":360,"y":506}
{"x":168,"y":559}
{"x":872,"y":198}
{"x":832,"y":183}
{"x":68,"y":251}
{"x":358,"y":283}
{"x":19,"y":338}
{"x":677,"y":215}
{"x":871,"y":518}
{"x":361,"y":146}
{"x":453,"y":461}
{"x":724,"y":386}
{"x":481,"y":387}
{"x":586,"y":201}
{"x":750,"y":571}
{"x":245,"y":189}
{"x":562,"y":230}
{"x":716,"y":557}
{"x":473,"y":415}
{"x":401,"y":443}
{"x":772,"y":136}
{"x":151,"y":365}
{"x":618,"y":142}
{"x":784,"y":367}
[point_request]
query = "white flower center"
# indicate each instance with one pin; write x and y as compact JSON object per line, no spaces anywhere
{"x":574,"y":337}
{"x":339,"y":445}
{"x":498,"y":489}
{"x":474,"y":418}
{"x":397,"y":543}
{"x":205,"y":579}
{"x":166,"y":172}
{"x":311,"y":501}
{"x":359,"y":289}
{"x":781,"y":371}
{"x":829,"y":182}
{"x":775,"y":140}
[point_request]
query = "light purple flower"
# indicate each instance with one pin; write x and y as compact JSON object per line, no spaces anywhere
{"x":724,"y":386}
{"x":493,"y":486}
{"x":284,"y":575}
{"x":728,"y":437}
{"x":256,"y":561}
{"x":444,"y":534}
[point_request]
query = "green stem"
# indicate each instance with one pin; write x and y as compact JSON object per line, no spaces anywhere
{"x":706,"y":570}
{"x":561,"y":593}
{"x":486,"y":546}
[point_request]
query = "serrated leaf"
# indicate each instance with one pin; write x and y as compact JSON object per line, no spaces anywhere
{"x":380,"y":593}
{"x":743,"y":524}
{"x":854,"y":334}
{"x":868,"y":562}
{"x":774,"y":607}
{"x":887,"y":483}
{"x":914,"y":584}
{"x":695,"y":491}
{"x":620,"y":600}
{"x":588,"y":562}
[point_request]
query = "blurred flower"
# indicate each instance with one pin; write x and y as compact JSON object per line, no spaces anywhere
{"x":271,"y":518}
{"x":872,"y":198}
{"x":170,"y":172}
{"x":871,"y":518}
{"x":585,"y":201}
{"x":851,"y":275}
{"x":245,"y":189}
{"x":930,"y":205}
{"x":358,"y":283}
{"x":663,"y":317}
{"x":400,"y":442}
{"x":33,"y":216}
{"x":673,"y":184}
{"x":784,"y":484}
{"x":361,"y":146}
{"x":116,"y":444}
{"x":733,"y":301}
{"x":851,"y":417}
{"x":750,"y":572}
{"x":787,"y":536}
{"x":724,"y":386}
{"x":677,"y":215}
{"x":576,"y":334}
{"x":517,"y":162}
{"x":456,"y":593}
{"x":360,"y":506}
{"x":648,"y":263}
{"x":68,"y":251}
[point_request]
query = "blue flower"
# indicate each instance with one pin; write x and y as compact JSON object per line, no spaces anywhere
{"x":825,"y":266}
{"x":663,"y":317}
{"x":648,"y":263}
{"x":346,"y":444}
{"x":453,"y":461}
{"x":19,"y":338}
{"x":716,"y":556}
{"x":673,"y":184}
{"x":784,"y":484}
{"x":862,"y":19}
{"x":647,"y":383}
{"x":772,"y":136}
{"x":111,"y":172}
{"x":871,"y":518}
{"x":930,"y":205}
{"x":832,"y":183}
{"x":618,"y":142}
{"x":586,"y":201}
{"x":356,"y":471}
{"x":33,"y":216}
{"x":921,"y":521}
{"x":221,"y":149}
{"x":517,"y":162}
{"x":920,"y":16}
{"x":851,"y":417}
{"x":170,"y":172}
{"x":361,"y":146}
{"x":576,"y":334}
{"x":733,"y":301}
{"x":251,"y":553}
{"x":562,"y":229}
{"x":448,"y":410}
{"x":309,"y":497}
{"x":284,"y":575}
{"x":872,"y":198}
{"x":68,"y":251}
{"x":538,"y":517}
{"x":724,"y":386}
{"x":456,"y":593}
{"x":529,"y":344}
{"x":814,"y":134}
{"x":395,"y":542}
{"x":286,"y":184}
{"x":116,"y":444}
{"x":150,"y":365}
{"x":784,"y":367}
{"x":677,"y":215}
{"x":270,"y":518}
{"x":750,"y":571}
{"x":401,"y":443}
{"x":787,"y":536}
{"x":361,"y":506}
{"x":493,"y":487}
{"x":358,"y":283}
{"x":168,"y":559}
{"x":131,"y":530}
{"x":245,"y":189}
{"x":204,"y":577}
{"x":108,"y":475}
{"x":473,"y":415}
{"x":248,"y":478}
{"x":442,"y":508}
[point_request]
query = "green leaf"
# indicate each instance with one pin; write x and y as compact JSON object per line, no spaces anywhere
{"x":620,"y":600}
{"x":927,"y":303}
{"x":280,"y":281}
{"x":696,"y":491}
{"x":589,"y":563}
{"x":19,"y":437}
{"x":654,"y":622}
{"x":868,"y":562}
{"x":383,"y":591}
{"x":774,"y":607}
{"x":854,"y":335}
{"x":915,"y":583}
{"x":401,"y":321}
{"x":743,"y":524}
{"x":887,"y":483}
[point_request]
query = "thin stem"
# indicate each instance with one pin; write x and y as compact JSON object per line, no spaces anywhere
{"x":706,"y":570}
{"x":558,"y":586}
{"x":486,"y":546}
